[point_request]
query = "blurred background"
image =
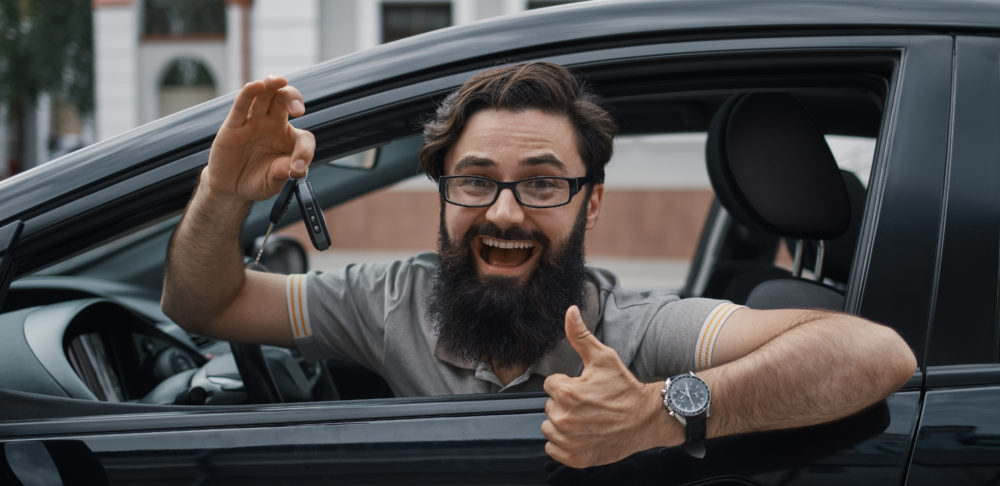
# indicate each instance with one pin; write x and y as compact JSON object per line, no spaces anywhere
{"x":74,"y":72}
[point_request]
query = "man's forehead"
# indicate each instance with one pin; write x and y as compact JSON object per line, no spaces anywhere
{"x":542,"y":160}
{"x":526,"y":139}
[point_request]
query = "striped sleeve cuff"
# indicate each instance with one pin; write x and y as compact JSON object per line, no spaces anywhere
{"x":710,"y":331}
{"x":298,"y":305}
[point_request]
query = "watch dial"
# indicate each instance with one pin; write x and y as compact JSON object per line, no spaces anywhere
{"x":688,"y":395}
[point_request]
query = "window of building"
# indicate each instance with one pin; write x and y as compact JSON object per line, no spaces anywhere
{"x":532,"y":4}
{"x":186,"y":82}
{"x":180,"y":18}
{"x":404,"y":20}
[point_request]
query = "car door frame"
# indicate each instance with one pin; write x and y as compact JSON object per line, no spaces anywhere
{"x":492,"y":434}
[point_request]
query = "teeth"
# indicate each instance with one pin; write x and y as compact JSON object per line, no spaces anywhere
{"x":508,"y":245}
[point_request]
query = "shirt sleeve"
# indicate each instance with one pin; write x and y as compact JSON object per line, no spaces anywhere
{"x":681,"y":337}
{"x":342,"y":314}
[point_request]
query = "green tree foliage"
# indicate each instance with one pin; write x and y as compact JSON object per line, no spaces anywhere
{"x":46,"y":46}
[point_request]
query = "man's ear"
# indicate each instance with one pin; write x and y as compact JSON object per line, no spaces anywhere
{"x":594,"y":205}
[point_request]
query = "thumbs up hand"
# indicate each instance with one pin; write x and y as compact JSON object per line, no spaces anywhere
{"x":605,"y":414}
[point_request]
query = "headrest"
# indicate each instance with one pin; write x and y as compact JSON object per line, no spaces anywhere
{"x":839,"y":252}
{"x":772,"y":169}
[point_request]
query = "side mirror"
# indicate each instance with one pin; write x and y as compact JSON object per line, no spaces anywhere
{"x":283,"y":254}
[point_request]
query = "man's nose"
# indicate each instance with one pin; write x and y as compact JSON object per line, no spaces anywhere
{"x":506,"y":211}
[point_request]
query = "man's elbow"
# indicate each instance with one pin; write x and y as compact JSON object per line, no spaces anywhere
{"x":898,"y":362}
{"x":182,"y":314}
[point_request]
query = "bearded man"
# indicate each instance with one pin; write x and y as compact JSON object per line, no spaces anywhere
{"x":507,"y":303}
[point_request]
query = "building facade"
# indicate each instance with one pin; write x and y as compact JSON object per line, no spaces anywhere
{"x":155,"y":57}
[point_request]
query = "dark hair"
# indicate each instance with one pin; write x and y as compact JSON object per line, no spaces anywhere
{"x":538,"y":85}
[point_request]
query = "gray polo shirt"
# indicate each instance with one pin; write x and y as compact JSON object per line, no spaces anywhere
{"x":374,"y":314}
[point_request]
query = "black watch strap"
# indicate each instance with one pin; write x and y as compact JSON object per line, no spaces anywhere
{"x":694,"y":436}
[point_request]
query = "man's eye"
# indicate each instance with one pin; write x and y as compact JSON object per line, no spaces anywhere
{"x":543,"y":184}
{"x":474,"y":183}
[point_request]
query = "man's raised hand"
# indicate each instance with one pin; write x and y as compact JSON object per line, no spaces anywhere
{"x":256,"y":148}
{"x":605,"y":414}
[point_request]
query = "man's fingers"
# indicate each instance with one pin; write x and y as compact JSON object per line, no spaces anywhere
{"x":262,"y":104}
{"x":550,"y":432}
{"x":288,"y":101}
{"x":582,"y":340}
{"x":564,"y":456}
{"x":553,"y":381}
{"x":241,"y":105}
{"x":302,"y":154}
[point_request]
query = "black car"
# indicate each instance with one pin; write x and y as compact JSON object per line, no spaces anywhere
{"x":97,"y":385}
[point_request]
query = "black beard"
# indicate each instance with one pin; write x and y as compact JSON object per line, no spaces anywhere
{"x":501,"y":320}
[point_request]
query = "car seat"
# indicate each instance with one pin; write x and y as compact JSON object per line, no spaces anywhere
{"x":839,"y":254}
{"x":772,"y":171}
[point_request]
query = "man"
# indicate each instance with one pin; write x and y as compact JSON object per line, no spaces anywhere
{"x":506,"y":304}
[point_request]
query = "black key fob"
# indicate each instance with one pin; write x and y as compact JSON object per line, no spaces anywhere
{"x":312,"y":215}
{"x":283,"y":202}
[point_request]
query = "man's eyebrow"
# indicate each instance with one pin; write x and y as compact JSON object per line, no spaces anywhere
{"x":473,"y":161}
{"x":544,"y":160}
{"x":535,"y":161}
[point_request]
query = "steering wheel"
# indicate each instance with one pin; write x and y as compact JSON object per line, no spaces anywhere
{"x":275,"y":375}
{"x":272,"y":375}
{"x":258,"y":381}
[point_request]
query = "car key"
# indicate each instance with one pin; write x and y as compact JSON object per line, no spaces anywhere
{"x":312,"y":215}
{"x":279,"y":209}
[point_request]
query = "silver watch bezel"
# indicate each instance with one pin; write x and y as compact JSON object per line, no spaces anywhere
{"x":677,"y":411}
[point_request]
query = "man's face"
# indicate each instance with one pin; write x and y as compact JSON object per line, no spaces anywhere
{"x":508,"y":146}
{"x":508,"y":273}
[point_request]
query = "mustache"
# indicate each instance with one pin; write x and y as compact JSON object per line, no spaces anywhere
{"x":513,"y":233}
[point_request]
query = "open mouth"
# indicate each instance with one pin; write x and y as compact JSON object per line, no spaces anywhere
{"x":506,"y":253}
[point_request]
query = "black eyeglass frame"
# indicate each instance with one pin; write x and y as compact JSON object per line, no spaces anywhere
{"x":575,"y":184}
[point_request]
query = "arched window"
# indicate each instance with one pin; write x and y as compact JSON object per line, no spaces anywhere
{"x":186,"y":82}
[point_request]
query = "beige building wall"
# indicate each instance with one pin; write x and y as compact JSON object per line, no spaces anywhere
{"x":632,"y":224}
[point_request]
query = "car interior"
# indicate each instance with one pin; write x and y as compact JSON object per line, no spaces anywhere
{"x":96,"y":342}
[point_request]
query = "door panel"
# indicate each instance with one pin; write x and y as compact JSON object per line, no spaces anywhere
{"x":958,"y":442}
{"x":965,"y":321}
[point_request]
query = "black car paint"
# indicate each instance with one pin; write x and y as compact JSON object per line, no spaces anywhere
{"x":927,"y":263}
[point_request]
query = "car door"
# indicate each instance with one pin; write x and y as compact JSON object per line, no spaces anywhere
{"x":959,"y":436}
{"x":496,"y":439}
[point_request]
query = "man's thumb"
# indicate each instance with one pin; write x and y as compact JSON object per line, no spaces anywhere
{"x":582,"y":340}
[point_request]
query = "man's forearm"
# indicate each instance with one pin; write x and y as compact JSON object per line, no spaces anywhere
{"x":778,"y":369}
{"x":204,"y":269}
{"x":820,"y":370}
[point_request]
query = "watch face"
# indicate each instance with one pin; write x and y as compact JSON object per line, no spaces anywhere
{"x":688,"y":395}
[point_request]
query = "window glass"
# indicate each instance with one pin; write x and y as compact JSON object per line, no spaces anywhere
{"x":533,"y":4}
{"x":404,"y":20}
{"x":174,"y":18}
{"x":654,"y":223}
{"x":853,"y":154}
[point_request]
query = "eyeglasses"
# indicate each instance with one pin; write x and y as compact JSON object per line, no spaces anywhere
{"x":533,"y":192}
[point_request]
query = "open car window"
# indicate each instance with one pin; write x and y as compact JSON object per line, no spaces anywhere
{"x":659,"y":226}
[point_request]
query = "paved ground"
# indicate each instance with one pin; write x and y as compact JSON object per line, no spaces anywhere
{"x":634,"y":273}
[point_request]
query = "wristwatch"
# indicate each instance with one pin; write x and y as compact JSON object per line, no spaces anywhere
{"x":687,"y":398}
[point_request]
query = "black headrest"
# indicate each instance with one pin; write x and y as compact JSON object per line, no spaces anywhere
{"x":771,"y":168}
{"x":840,"y":250}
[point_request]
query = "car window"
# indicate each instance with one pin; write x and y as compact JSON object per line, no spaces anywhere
{"x":654,"y":231}
{"x":658,"y":199}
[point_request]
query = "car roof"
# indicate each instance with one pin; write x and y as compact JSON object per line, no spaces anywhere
{"x":456,"y":49}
